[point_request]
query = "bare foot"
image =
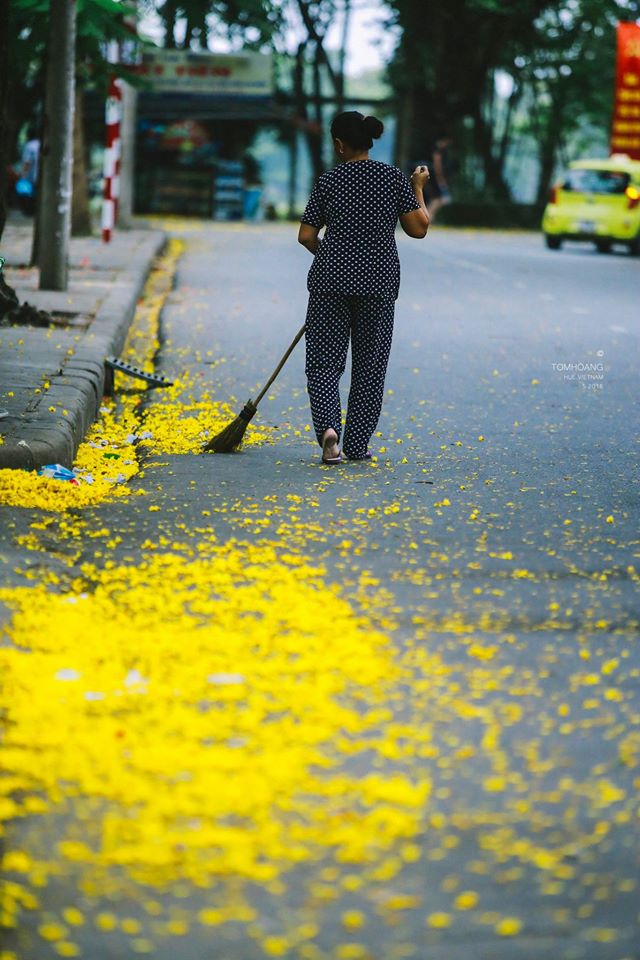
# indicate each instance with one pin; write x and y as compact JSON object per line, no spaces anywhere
{"x":330,"y":448}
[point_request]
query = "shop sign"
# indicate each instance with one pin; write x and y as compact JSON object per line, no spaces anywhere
{"x":625,"y":131}
{"x":233,"y":75}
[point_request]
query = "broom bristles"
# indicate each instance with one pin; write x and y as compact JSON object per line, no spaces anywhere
{"x":231,"y":437}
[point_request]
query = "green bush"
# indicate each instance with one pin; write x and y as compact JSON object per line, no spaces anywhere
{"x":501,"y":216}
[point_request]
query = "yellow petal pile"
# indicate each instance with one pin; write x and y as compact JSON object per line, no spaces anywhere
{"x":202,"y":716}
{"x":104,"y":464}
{"x":181,"y":420}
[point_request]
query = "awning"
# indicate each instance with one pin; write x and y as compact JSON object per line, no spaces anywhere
{"x":200,"y":106}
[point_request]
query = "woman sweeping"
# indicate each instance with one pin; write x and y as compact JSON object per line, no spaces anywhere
{"x":354,"y":280}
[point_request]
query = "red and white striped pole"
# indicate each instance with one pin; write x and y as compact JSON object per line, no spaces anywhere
{"x":112,"y":155}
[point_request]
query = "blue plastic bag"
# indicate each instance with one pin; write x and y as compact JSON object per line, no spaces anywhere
{"x":55,"y":471}
{"x":24,"y":188}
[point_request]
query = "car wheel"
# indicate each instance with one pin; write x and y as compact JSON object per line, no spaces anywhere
{"x":634,"y":246}
{"x":552,"y":242}
{"x":603,"y":246}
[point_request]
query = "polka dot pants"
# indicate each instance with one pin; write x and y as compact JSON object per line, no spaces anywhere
{"x":331,"y":322}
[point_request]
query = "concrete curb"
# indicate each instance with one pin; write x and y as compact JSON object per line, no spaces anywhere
{"x":78,"y":385}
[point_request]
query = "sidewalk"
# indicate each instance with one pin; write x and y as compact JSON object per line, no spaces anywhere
{"x":52,"y":378}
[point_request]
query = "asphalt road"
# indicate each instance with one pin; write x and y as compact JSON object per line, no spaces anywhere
{"x":487,"y":328}
{"x":494,"y":541}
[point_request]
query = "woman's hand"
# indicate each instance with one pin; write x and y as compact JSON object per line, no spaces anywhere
{"x":416,"y":223}
{"x":420,"y":177}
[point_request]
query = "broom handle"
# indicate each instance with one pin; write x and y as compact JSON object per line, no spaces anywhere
{"x":277,"y":370}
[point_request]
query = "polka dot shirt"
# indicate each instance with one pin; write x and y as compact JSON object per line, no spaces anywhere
{"x":359,"y":202}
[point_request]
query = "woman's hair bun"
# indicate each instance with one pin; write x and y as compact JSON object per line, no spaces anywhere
{"x":374,"y":127}
{"x":358,"y":131}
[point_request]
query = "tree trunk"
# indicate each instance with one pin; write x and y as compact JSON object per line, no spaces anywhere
{"x":311,"y":136}
{"x":35,"y":237}
{"x":316,"y":138}
{"x":5,"y":99}
{"x":204,"y":33}
{"x":80,"y":213}
{"x":168,"y":13}
{"x":549,"y":144}
{"x":403,"y":151}
{"x":547,"y":164}
{"x":494,"y":181}
{"x":311,"y":27}
{"x":293,"y":172}
{"x":57,"y":154}
{"x":37,"y":217}
{"x":344,"y":43}
{"x":188,"y":34}
{"x":505,"y":139}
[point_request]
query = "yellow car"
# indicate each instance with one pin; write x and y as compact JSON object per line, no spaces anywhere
{"x":597,"y":200}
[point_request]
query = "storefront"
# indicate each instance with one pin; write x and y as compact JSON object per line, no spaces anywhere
{"x":195,"y":127}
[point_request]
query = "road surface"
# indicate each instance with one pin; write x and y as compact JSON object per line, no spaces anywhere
{"x":365,"y":712}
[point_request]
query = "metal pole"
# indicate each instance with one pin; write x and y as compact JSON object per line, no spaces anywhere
{"x":111,"y":159}
{"x":57,"y":151}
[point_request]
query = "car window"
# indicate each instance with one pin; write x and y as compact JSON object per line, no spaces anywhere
{"x":596,"y":181}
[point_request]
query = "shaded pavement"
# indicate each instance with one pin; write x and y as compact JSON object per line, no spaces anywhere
{"x":52,"y":377}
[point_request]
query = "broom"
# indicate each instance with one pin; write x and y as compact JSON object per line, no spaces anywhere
{"x":230,"y":438}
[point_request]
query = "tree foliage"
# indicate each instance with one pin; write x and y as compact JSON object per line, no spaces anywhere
{"x":565,"y":85}
{"x":22,"y":61}
{"x":190,"y":24}
{"x":559,"y":54}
